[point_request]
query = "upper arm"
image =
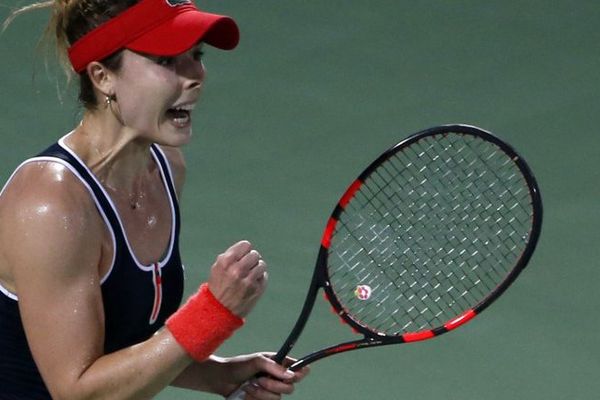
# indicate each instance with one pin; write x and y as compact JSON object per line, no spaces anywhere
{"x":51,"y":239}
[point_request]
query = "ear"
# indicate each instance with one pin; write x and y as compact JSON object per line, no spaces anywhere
{"x":101,"y":77}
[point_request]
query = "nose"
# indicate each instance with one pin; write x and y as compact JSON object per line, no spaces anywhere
{"x":192,"y":72}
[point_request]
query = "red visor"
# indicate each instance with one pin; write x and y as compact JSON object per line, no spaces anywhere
{"x":156,"y":27}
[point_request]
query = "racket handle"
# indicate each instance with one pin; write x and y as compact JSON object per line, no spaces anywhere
{"x":239,"y":393}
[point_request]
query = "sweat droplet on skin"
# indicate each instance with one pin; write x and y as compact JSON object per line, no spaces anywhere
{"x":152,"y":220}
{"x":42,"y":209}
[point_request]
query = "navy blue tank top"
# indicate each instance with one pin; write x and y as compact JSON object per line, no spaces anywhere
{"x":137,"y":298}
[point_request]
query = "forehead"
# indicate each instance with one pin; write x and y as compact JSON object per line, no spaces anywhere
{"x":133,"y":58}
{"x":198,"y":45}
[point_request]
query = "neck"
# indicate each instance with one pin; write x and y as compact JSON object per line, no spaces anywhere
{"x":112,"y":151}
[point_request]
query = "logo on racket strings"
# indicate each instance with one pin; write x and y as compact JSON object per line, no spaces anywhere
{"x":363,"y":292}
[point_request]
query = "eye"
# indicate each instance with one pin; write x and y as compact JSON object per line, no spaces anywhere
{"x":198,"y":54}
{"x":165,"y":61}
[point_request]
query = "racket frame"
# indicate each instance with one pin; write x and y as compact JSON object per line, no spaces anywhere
{"x":320,"y":278}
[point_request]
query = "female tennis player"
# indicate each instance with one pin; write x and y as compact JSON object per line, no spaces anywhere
{"x":91,"y":278}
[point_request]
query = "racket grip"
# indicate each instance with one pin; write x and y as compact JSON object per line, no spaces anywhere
{"x":239,"y":393}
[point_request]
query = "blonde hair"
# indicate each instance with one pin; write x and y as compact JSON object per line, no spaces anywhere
{"x":69,"y":21}
{"x":55,"y":33}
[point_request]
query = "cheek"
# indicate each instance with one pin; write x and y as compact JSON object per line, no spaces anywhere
{"x":145,"y":96}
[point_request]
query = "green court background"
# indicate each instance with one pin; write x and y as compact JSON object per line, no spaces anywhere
{"x":314,"y":92}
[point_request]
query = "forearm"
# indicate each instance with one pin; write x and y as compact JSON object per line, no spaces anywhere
{"x":137,"y":372}
{"x":143,"y":370}
{"x":208,"y":376}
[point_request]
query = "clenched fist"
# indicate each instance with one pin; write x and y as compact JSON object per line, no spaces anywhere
{"x":238,"y":278}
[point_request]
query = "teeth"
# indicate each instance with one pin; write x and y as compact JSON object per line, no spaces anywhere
{"x":185,"y":107}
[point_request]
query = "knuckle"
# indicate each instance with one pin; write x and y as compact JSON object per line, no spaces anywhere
{"x":228,"y":258}
{"x":236,"y":273}
{"x":221,"y":258}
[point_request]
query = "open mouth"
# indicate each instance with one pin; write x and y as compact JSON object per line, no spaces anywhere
{"x":181,"y":116}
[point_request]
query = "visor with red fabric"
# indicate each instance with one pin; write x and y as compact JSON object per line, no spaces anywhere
{"x":155,"y":27}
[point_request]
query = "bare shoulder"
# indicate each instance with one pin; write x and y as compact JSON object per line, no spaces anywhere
{"x":177,"y":163}
{"x":44,"y":183}
{"x":48,"y":219}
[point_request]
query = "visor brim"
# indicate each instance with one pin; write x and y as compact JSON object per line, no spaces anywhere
{"x":181,"y":33}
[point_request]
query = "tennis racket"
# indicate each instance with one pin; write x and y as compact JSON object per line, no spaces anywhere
{"x":424,"y":240}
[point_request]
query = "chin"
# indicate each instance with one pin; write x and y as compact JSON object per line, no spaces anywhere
{"x":174,"y":137}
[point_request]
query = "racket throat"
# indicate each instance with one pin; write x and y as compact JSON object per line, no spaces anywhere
{"x":309,"y":302}
{"x":337,"y":349}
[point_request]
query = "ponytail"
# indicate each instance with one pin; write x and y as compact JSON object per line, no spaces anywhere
{"x":54,"y":34}
{"x":69,"y":21}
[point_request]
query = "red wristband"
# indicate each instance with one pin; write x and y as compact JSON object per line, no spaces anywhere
{"x":202,"y":324}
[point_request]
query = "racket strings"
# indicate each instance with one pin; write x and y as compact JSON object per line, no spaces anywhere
{"x":431,"y":232}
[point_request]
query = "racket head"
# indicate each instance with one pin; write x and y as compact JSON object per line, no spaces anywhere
{"x":430,"y":234}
